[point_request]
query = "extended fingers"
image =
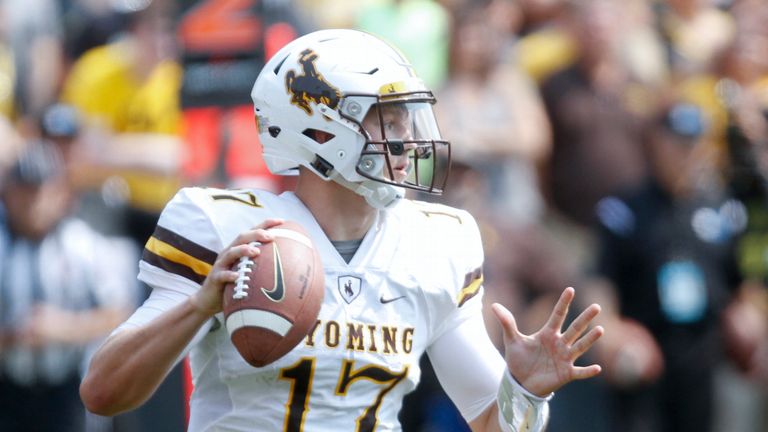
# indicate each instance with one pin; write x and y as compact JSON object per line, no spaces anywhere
{"x":585,"y":372}
{"x":557,"y":318}
{"x":585,"y":343}
{"x":581,"y":323}
{"x":507,"y":321}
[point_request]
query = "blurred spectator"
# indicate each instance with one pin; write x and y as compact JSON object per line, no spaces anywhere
{"x":735,"y":85}
{"x":743,"y":73}
{"x":594,"y":106}
{"x":545,"y":46}
{"x":332,"y":13}
{"x":696,"y":32}
{"x":89,"y":24}
{"x":551,"y":34}
{"x":744,"y":94}
{"x":421,"y":28}
{"x":666,"y":256}
{"x":12,"y":144}
{"x":735,"y":92}
{"x":493,"y":114}
{"x":641,"y":49}
{"x":128,"y":92}
{"x":32,"y":58}
{"x":746,"y":170}
{"x":63,"y":286}
{"x":61,"y":125}
{"x":7,"y":69}
{"x":539,"y":13}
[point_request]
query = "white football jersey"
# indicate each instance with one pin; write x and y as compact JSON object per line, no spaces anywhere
{"x":416,"y":275}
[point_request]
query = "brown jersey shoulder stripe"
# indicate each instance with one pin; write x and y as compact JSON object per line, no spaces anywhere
{"x":172,"y":267}
{"x":175,"y":254}
{"x":184,"y":245}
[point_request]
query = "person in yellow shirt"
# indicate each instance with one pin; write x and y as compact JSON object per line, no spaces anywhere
{"x":128,"y":91}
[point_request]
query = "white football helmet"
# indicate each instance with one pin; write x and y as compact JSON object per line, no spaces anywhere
{"x":311,"y":101}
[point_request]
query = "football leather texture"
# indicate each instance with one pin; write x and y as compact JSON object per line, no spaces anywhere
{"x":276,"y":299}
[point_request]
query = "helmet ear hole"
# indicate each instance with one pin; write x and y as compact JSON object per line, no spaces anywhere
{"x":318,"y":135}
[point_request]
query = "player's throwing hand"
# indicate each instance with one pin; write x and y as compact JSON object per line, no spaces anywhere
{"x":208,"y":298}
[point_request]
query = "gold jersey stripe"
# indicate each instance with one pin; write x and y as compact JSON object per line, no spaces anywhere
{"x":164,"y":250}
{"x":171,"y":267}
{"x":183,"y":244}
{"x":470,"y":290}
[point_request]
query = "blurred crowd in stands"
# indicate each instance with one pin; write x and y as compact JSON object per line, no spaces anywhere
{"x":620,"y":147}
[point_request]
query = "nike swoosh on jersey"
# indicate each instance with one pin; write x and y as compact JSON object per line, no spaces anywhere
{"x":277,"y":293}
{"x":389,"y":300}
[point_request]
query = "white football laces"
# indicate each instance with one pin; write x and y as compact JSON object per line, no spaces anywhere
{"x":244,"y":268}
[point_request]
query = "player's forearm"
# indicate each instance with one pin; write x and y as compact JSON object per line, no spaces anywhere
{"x":488,"y":421}
{"x":130,"y":366}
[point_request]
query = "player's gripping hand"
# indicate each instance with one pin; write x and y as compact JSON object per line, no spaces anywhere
{"x":543,"y":362}
{"x":208,"y":300}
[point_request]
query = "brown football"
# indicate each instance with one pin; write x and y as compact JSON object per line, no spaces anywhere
{"x":277,"y":296}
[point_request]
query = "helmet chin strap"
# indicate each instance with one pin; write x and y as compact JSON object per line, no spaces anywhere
{"x":378,"y":195}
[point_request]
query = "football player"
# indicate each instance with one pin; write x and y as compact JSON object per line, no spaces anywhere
{"x":346,"y":112}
